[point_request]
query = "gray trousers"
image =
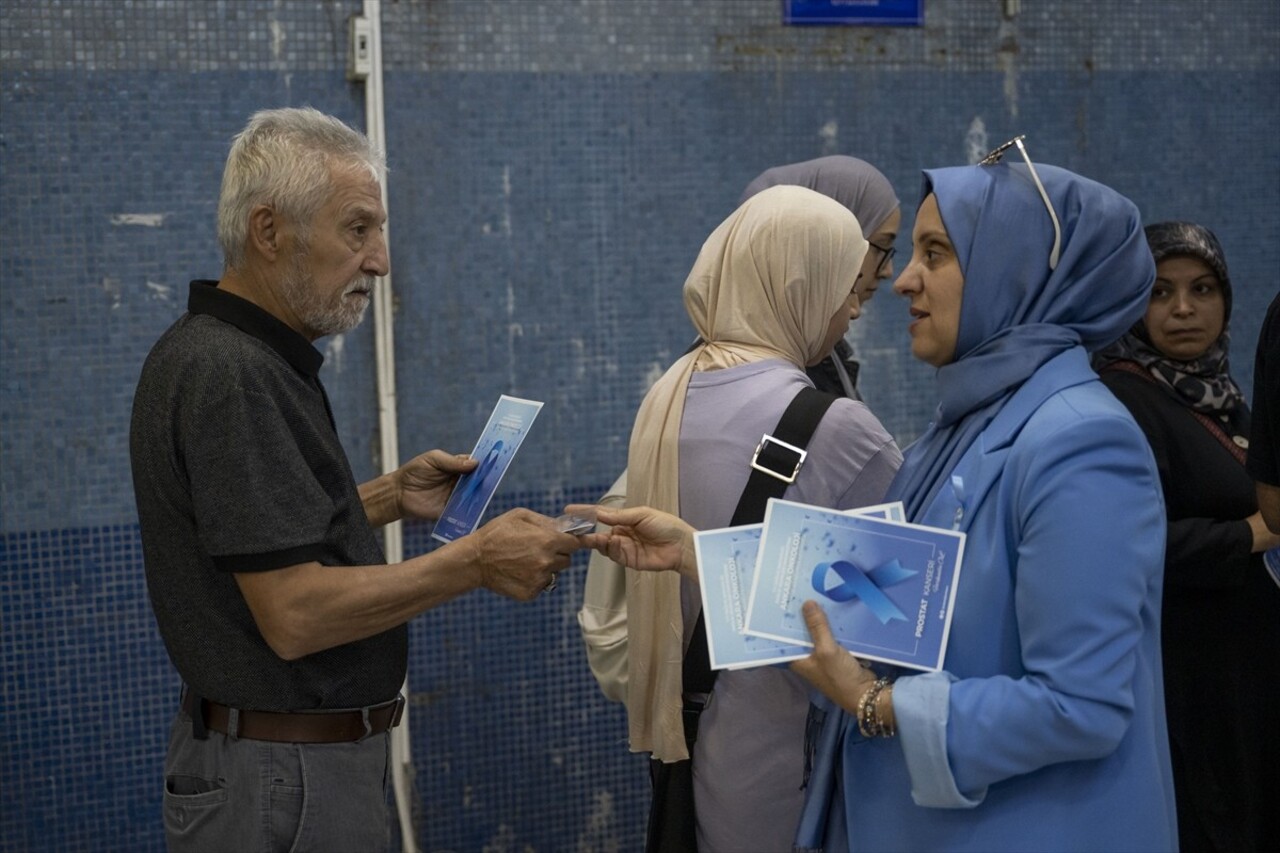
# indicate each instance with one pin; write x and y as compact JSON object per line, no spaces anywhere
{"x":253,"y":796}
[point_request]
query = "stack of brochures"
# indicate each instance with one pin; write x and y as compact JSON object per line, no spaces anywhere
{"x":887,"y":586}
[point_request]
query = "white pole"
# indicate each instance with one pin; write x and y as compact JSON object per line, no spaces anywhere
{"x":389,"y":449}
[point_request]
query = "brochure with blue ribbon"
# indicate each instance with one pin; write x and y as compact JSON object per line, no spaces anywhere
{"x":726,"y":562}
{"x":501,"y":438}
{"x":726,"y":567}
{"x":887,"y":586}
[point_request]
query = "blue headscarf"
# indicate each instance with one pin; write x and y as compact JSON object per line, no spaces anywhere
{"x":1015,"y":313}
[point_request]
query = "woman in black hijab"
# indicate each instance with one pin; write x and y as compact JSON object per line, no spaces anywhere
{"x":1221,"y":612}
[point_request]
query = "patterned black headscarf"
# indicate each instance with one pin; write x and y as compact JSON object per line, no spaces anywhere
{"x":1204,"y":384}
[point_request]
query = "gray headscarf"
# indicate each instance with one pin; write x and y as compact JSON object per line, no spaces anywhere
{"x":1203,"y":384}
{"x":854,"y":183}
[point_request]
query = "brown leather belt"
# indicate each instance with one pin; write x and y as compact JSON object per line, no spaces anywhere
{"x":346,"y":726}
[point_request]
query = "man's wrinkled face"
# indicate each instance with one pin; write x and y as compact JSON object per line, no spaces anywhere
{"x":331,"y":278}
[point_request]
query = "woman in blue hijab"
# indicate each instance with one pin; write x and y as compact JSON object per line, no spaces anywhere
{"x":1046,"y":728}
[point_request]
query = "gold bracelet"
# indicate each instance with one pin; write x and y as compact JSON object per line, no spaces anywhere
{"x":884,"y":729}
{"x":861,"y":714}
{"x":868,"y":719}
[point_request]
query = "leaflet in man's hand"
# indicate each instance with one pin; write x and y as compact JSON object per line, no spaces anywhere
{"x":501,"y":438}
{"x":887,"y":587}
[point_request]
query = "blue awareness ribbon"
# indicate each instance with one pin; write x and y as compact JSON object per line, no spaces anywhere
{"x":867,"y":586}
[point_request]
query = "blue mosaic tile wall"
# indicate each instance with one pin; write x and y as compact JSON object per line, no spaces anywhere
{"x":555,"y":166}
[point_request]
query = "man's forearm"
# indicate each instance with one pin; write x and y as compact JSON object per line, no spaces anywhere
{"x":308,"y":608}
{"x":381,"y":499}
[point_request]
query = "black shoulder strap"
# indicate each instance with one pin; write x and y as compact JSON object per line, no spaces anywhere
{"x":773,"y":469}
{"x":779,"y":456}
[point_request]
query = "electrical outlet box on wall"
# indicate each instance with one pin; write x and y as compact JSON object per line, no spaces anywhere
{"x":359,"y":48}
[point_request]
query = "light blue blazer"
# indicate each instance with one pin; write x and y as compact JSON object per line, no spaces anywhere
{"x":1046,"y":730}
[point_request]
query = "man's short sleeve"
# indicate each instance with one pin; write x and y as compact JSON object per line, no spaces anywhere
{"x":258,"y":504}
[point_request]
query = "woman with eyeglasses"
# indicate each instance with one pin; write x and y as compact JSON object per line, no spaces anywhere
{"x":756,"y":809}
{"x":867,"y":193}
{"x":768,"y":295}
{"x":1221,"y":611}
{"x":863,"y":189}
{"x":1045,"y":730}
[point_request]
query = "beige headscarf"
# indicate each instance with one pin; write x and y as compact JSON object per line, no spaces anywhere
{"x":765,"y":285}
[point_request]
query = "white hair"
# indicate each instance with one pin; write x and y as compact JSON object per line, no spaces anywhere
{"x":285,"y":158}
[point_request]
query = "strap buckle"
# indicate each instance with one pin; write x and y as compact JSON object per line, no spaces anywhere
{"x":364,"y":721}
{"x":396,"y":710}
{"x":690,"y":714}
{"x":778,"y":457}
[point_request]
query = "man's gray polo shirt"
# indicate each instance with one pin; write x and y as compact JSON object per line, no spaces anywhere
{"x":237,"y":467}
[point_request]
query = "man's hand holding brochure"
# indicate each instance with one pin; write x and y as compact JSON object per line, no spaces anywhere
{"x":505,"y":431}
{"x":887,"y":586}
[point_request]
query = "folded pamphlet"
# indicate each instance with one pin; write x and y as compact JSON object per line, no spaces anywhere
{"x":726,"y":563}
{"x":726,"y":569}
{"x":501,"y":438}
{"x":887,"y":586}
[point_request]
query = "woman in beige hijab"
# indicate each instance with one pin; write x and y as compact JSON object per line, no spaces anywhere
{"x":769,"y":294}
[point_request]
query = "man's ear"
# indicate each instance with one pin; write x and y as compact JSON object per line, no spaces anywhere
{"x":265,"y":231}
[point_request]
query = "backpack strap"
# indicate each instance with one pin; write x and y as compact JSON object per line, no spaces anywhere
{"x":774,"y":466}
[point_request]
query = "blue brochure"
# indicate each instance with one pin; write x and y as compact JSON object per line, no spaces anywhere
{"x":887,"y":587}
{"x":726,"y":567}
{"x":726,"y":562}
{"x":507,"y":427}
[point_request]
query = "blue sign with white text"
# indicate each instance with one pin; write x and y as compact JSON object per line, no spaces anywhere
{"x":900,"y":13}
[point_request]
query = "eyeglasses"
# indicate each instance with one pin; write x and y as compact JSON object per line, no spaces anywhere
{"x":996,"y":156}
{"x":885,"y":256}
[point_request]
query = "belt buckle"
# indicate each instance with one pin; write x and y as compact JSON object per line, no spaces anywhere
{"x":368,"y":727}
{"x":395,"y":716}
{"x":760,"y":448}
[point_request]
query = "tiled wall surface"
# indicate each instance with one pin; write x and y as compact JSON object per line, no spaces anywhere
{"x":555,"y":167}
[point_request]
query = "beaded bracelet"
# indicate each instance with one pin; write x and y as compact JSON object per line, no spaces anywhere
{"x":861,"y":711}
{"x":869,"y":723}
{"x":882,"y":728}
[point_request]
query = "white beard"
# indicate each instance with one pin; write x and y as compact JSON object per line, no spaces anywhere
{"x":344,"y":314}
